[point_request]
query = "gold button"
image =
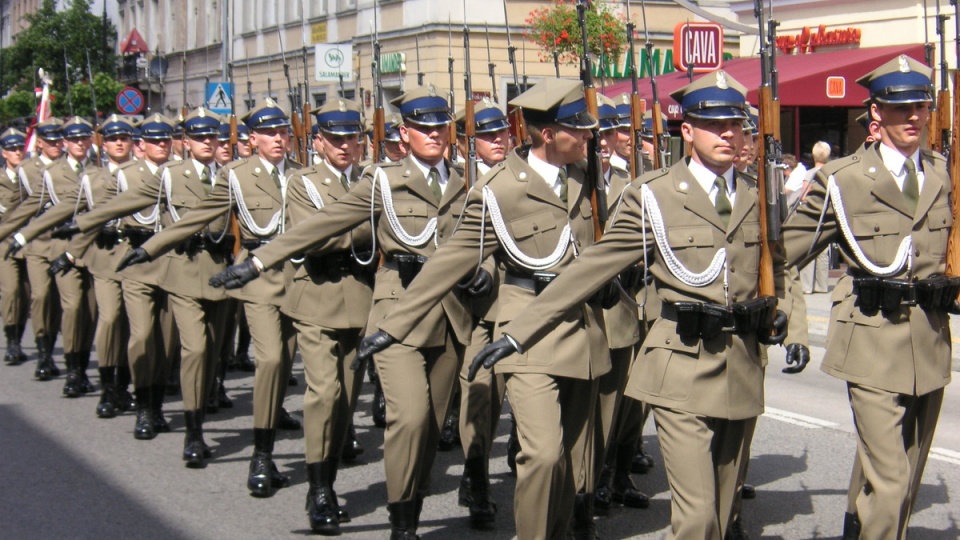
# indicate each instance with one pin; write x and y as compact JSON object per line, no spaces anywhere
{"x":690,"y":239}
{"x":393,"y":293}
{"x":667,"y":341}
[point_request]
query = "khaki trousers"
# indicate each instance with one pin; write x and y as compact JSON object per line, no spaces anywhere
{"x":44,"y":299}
{"x":14,"y":291}
{"x":113,"y":332}
{"x":797,"y":330}
{"x":274,"y":344}
{"x":201,"y":325}
{"x":418,"y":386}
{"x":556,"y":430}
{"x":610,"y":387}
{"x":78,"y":304}
{"x":480,"y":400}
{"x":703,"y":458}
{"x":153,"y":344}
{"x":332,"y":387}
{"x":895,"y":432}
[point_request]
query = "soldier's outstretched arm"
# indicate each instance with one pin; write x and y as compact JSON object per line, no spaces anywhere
{"x":217,"y":203}
{"x":137,"y":198}
{"x":21,"y":215}
{"x":56,"y":215}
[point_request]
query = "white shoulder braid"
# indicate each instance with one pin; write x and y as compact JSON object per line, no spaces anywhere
{"x":511,"y":247}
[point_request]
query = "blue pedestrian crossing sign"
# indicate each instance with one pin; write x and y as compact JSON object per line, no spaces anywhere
{"x":219,"y":97}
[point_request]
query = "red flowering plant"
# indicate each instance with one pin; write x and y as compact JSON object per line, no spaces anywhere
{"x":556,"y":31}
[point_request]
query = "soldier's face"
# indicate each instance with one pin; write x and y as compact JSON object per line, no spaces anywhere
{"x":77,"y":147}
{"x":51,"y":149}
{"x":13,"y":156}
{"x":395,"y":150}
{"x":714,"y":142}
{"x":646,"y":147}
{"x":340,"y":150}
{"x":901,"y":124}
{"x":492,"y":146}
{"x":202,"y":147}
{"x":156,"y":150}
{"x":223,"y":155}
{"x":608,"y":144}
{"x":567,"y":145}
{"x":118,"y":147}
{"x":428,"y":143}
{"x":624,"y":142}
{"x":244,"y":149}
{"x":271,"y":143}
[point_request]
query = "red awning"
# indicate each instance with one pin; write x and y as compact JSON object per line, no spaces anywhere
{"x":133,"y":43}
{"x":803,"y":77}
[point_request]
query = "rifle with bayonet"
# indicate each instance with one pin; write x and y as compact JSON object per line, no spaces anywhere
{"x":249,"y":85}
{"x":184,"y":110}
{"x":307,"y":117}
{"x":66,"y":80}
{"x":97,"y":136}
{"x":660,"y":146}
{"x":769,"y":156}
{"x":416,"y":42}
{"x":234,"y":224}
{"x":453,"y":106}
{"x":636,"y":104}
{"x":516,"y":115}
{"x":294,"y":106}
{"x":491,"y":67}
{"x":598,"y":194}
{"x":470,"y":119}
{"x":379,"y":150}
{"x":940,"y":132}
{"x":953,"y":243}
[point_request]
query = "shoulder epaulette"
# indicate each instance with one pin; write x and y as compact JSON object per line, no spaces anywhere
{"x":652,"y":175}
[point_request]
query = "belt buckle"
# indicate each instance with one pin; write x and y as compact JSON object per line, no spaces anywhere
{"x":541,"y":280}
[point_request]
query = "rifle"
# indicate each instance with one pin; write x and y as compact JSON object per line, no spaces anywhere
{"x":66,"y":79}
{"x":233,"y":223}
{"x":598,"y":194}
{"x":636,"y":104}
{"x":379,"y":150}
{"x":294,"y":117}
{"x":184,"y":110}
{"x":97,"y":136}
{"x":953,"y":243}
{"x":470,"y":119}
{"x":416,"y":41}
{"x":491,"y":67}
{"x":516,"y":115}
{"x":940,"y":132}
{"x":769,"y":156}
{"x":660,"y":151}
{"x":249,"y":83}
{"x":453,"y":107}
{"x":305,"y":109}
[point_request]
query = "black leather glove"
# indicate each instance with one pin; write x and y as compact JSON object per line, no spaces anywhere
{"x":65,"y":231}
{"x":60,"y":265}
{"x":371,"y":345}
{"x":480,"y":284}
{"x":608,"y":295}
{"x":490,"y":355}
{"x":796,"y":354}
{"x":780,"y":326}
{"x":236,"y":276}
{"x":13,"y":249}
{"x":134,"y":256}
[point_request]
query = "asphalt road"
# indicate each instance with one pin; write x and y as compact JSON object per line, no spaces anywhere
{"x":66,"y":474}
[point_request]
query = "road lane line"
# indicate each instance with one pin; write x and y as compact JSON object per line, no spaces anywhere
{"x":942,"y":454}
{"x":797,"y":419}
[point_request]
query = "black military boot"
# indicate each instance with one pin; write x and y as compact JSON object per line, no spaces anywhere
{"x":287,"y":422}
{"x":379,"y":406}
{"x":583,"y":526}
{"x":603,"y":495}
{"x":21,"y":329}
{"x":46,"y":368}
{"x":143,"y":430}
{"x":450,"y":434}
{"x":122,"y":400}
{"x":195,"y":451}
{"x":222,"y":398}
{"x":642,"y":462}
{"x":243,"y":360}
{"x":107,"y":408}
{"x":747,"y":491}
{"x":264,"y":475}
{"x":483,"y":511}
{"x":623,"y":489}
{"x":851,"y":526}
{"x":351,"y":446}
{"x":738,"y":531}
{"x":342,"y":513}
{"x":71,"y":387}
{"x":322,"y":506}
{"x":403,"y":520}
{"x":160,"y":424}
{"x":513,"y":446}
{"x":14,"y":356}
{"x":82,"y":363}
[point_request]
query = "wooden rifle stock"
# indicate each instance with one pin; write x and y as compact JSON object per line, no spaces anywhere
{"x":953,"y":243}
{"x":941,"y":132}
{"x":307,"y":133}
{"x":517,"y":126}
{"x":657,"y":156}
{"x":298,"y":136}
{"x":769,"y":125}
{"x":637,"y":106}
{"x":234,"y":224}
{"x":378,"y":134}
{"x":470,"y":121}
{"x":594,"y":169}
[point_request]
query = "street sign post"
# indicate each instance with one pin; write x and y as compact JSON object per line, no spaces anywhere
{"x":130,"y":101}
{"x":218,"y":96}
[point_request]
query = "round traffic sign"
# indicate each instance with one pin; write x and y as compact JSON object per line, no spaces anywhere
{"x":130,"y":101}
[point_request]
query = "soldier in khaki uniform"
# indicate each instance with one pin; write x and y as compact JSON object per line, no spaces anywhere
{"x":254,"y":188}
{"x":14,"y":287}
{"x":61,"y":180}
{"x":153,"y":343}
{"x":539,"y":217}
{"x":415,"y":206}
{"x":889,"y":210}
{"x":44,"y":301}
{"x":700,"y":367}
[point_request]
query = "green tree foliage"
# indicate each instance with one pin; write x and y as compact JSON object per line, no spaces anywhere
{"x":106,"y":89}
{"x":17,"y":105}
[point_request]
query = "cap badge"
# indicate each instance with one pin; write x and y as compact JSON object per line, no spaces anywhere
{"x":343,"y":106}
{"x":269,"y":102}
{"x":431,"y":90}
{"x":722,"y":81}
{"x":201,"y":114}
{"x":487,"y":102}
{"x":904,"y":65}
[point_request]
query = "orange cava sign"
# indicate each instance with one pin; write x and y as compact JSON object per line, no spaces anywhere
{"x":698,"y":44}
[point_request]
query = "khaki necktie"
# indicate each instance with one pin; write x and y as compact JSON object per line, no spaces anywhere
{"x":434,"y":178}
{"x":205,"y":179}
{"x":723,"y":201}
{"x":78,"y":167}
{"x":276,"y":178}
{"x":344,"y":181}
{"x":911,"y":185}
{"x":562,"y":178}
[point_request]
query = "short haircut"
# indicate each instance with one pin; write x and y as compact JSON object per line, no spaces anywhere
{"x":821,"y":152}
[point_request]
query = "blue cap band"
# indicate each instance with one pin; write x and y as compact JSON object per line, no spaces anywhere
{"x":268,"y":117}
{"x":202,"y":126}
{"x":156,"y":130}
{"x":12,"y":141}
{"x":111,"y":129}
{"x":340,"y":122}
{"x":714,"y":102}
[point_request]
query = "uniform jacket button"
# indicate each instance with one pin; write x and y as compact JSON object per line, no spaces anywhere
{"x":667,"y":341}
{"x":690,"y":239}
{"x":876,"y":228}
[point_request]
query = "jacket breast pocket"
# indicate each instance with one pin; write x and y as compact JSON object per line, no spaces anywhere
{"x":694,"y":246}
{"x":668,"y":363}
{"x":413,"y":214}
{"x":939,"y":222}
{"x":749,"y":236}
{"x":534,"y":234}
{"x":878,"y":235}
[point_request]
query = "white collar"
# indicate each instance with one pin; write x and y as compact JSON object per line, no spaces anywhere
{"x":549,"y":173}
{"x":425,"y":170}
{"x":337,"y":172}
{"x":270,"y":166}
{"x":705,"y":177}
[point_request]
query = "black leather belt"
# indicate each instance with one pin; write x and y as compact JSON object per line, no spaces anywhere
{"x":334,"y":265}
{"x":202,"y":242}
{"x":887,"y":294}
{"x":107,"y":238}
{"x":407,"y":265}
{"x":253,"y":243}
{"x":705,"y":320}
{"x":536,"y":282}
{"x":135,"y":236}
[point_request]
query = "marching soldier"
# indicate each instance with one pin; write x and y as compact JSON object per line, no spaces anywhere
{"x":61,"y":180}
{"x":539,"y":217}
{"x":392,"y":142}
{"x":418,"y":201}
{"x":44,"y":303}
{"x":699,"y":368}
{"x":888,"y":207}
{"x":254,"y":188}
{"x":14,"y":287}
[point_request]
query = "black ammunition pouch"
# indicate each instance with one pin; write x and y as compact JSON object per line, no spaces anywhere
{"x":536,"y":283}
{"x":699,"y":320}
{"x":887,"y":294}
{"x":136,"y":237}
{"x":252,"y":244}
{"x":632,"y":279}
{"x":407,"y":265}
{"x":107,"y":238}
{"x":334,"y":266}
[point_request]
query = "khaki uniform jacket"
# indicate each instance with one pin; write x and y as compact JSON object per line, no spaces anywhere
{"x":122,"y":205}
{"x":720,"y":378}
{"x":262,"y":198}
{"x":30,"y":174}
{"x":534,"y":217}
{"x":311,"y":295}
{"x":414,"y":204}
{"x":907,"y":352}
{"x":35,"y":202}
{"x":622,"y":320}
{"x":11,"y":193}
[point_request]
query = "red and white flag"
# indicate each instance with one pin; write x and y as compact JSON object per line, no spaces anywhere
{"x":43,"y":110}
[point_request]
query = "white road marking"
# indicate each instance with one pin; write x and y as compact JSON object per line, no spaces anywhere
{"x":797,"y":419}
{"x":942,"y":454}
